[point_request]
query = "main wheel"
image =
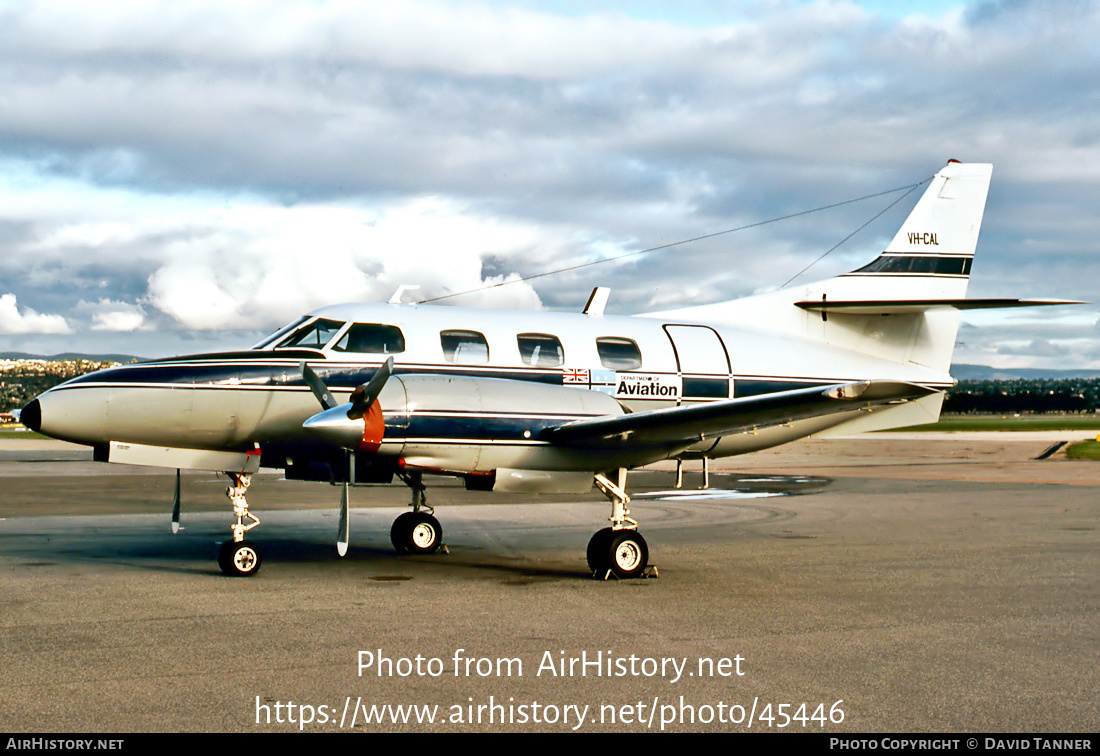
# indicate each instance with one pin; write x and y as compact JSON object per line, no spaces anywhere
{"x":416,"y":533}
{"x":239,"y":558}
{"x":599,"y":558}
{"x":399,"y":532}
{"x":628,"y":553}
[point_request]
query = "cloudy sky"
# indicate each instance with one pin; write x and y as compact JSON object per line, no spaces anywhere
{"x":184,"y":176}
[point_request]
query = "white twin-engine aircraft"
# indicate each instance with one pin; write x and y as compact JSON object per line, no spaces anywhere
{"x":542,"y":401}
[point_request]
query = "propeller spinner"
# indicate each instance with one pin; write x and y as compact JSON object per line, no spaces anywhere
{"x":355,"y":425}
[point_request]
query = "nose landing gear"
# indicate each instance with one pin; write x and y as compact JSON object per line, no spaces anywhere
{"x":240,"y":558}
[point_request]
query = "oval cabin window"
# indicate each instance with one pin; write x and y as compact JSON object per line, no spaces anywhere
{"x":464,"y":347}
{"x":618,"y":353}
{"x":540,"y":350}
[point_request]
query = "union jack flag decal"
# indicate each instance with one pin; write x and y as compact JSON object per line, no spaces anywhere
{"x":574,"y":376}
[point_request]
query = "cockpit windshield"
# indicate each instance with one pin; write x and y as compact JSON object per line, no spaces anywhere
{"x":303,"y":332}
{"x":314,"y":336}
{"x":281,"y":332}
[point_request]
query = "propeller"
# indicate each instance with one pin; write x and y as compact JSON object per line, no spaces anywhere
{"x":356,"y":424}
{"x":340,"y":423}
{"x":362,"y":398}
{"x":320,"y":390}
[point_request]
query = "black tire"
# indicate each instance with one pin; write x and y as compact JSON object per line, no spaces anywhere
{"x":628,"y":554}
{"x":599,"y":557}
{"x":416,"y":533}
{"x":239,"y":558}
{"x":399,"y":532}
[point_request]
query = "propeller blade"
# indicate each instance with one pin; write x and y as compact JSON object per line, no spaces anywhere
{"x":363,"y":396}
{"x":343,"y":534}
{"x":318,"y":387}
{"x":176,"y":506}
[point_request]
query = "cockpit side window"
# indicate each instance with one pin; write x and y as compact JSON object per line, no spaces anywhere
{"x":540,"y":349}
{"x":618,"y":353}
{"x":464,"y":347}
{"x":313,"y":336}
{"x":375,"y":338}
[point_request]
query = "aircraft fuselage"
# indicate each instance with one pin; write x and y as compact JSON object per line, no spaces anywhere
{"x":472,"y":388}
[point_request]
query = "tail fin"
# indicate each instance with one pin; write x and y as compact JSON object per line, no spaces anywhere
{"x":930,"y":256}
{"x":900,"y":306}
{"x":928,"y":259}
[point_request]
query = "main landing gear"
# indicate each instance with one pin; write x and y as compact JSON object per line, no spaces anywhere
{"x":240,"y":558}
{"x":618,"y":551}
{"x":416,"y":532}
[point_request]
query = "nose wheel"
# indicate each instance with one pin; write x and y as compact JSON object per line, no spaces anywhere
{"x":239,"y":558}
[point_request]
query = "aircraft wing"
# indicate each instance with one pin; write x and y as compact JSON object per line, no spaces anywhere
{"x":907,"y":306}
{"x":686,"y":425}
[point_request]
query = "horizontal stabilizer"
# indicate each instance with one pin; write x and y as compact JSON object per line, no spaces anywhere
{"x":904,"y":306}
{"x":685,"y":425}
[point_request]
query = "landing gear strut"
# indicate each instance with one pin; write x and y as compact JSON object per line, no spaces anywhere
{"x":240,"y":558}
{"x":620,"y":549}
{"x":416,"y":532}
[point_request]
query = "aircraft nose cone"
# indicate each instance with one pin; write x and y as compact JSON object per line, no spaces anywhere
{"x":31,"y":416}
{"x":76,"y":416}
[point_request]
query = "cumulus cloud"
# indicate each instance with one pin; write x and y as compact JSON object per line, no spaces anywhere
{"x":262,"y":265}
{"x":12,"y":321}
{"x":109,"y":315}
{"x":228,"y":165}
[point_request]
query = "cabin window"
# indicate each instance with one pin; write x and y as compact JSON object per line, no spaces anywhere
{"x":314,"y":336}
{"x":464,"y":347}
{"x":375,"y":338}
{"x":619,"y":354}
{"x":540,"y":349}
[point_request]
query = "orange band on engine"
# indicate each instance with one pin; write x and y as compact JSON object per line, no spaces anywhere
{"x":374,"y":428}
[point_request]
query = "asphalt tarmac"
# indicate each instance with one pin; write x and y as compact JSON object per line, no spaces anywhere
{"x":878,"y":584}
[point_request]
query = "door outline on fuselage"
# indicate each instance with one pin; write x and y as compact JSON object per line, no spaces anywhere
{"x":683,"y":352}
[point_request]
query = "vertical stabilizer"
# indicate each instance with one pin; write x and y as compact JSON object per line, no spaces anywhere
{"x":931,"y":253}
{"x":928,"y":259}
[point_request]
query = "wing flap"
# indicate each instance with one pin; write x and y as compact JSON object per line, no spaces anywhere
{"x":684,"y":425}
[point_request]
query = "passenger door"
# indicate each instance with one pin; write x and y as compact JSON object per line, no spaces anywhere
{"x":702,"y":361}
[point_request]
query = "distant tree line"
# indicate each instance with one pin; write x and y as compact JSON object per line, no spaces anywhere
{"x":1032,"y":395}
{"x":22,"y":382}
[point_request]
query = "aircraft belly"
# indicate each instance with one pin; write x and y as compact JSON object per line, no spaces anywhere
{"x":438,"y":456}
{"x":548,"y":457}
{"x":485,"y":458}
{"x":765,"y":438}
